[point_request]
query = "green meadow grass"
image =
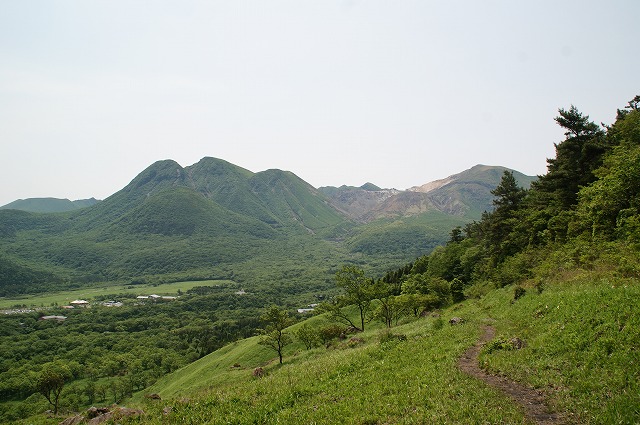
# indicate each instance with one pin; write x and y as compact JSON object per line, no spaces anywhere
{"x":583,"y":345}
{"x":65,"y":297}
{"x":380,"y":379}
{"x":582,"y":340}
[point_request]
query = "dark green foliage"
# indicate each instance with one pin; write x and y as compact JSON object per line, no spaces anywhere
{"x":111,"y":352}
{"x":17,"y":279}
{"x":589,"y":195}
{"x":457,"y":290}
{"x":329,"y":332}
{"x":50,"y":382}
{"x":577,"y":157}
{"x":357,"y":290}
{"x":171,"y":220}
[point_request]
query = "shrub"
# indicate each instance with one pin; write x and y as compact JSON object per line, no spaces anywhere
{"x":518,"y":292}
{"x":310,"y":337}
{"x":330,"y":332}
{"x":502,"y":343}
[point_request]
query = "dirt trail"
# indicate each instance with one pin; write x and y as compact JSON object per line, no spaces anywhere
{"x":531,"y":400}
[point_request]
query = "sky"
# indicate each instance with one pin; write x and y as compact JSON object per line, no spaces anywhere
{"x":397,"y":93}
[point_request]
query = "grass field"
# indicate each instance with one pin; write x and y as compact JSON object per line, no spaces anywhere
{"x":65,"y":297}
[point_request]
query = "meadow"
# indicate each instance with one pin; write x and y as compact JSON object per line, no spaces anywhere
{"x":102,"y":291}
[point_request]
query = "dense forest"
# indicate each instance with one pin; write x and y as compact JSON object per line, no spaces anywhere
{"x":103,"y":354}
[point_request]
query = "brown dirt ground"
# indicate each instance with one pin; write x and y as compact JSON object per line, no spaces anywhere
{"x":532,"y":401}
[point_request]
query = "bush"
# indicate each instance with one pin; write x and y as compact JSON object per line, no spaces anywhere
{"x":518,"y":292}
{"x":502,"y":343}
{"x":310,"y":337}
{"x":330,"y":332}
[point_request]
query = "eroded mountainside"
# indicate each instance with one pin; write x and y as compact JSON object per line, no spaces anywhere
{"x":466,"y":194}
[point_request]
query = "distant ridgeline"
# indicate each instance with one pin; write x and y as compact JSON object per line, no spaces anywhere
{"x":49,"y":205}
{"x":214,"y":219}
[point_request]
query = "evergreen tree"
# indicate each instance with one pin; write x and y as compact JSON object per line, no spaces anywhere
{"x":577,"y":157}
{"x":502,"y":221}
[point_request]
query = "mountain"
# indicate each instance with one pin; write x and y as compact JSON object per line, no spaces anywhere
{"x":49,"y":205}
{"x":214,"y":219}
{"x":209,"y":220}
{"x":273,"y":198}
{"x":466,"y":194}
{"x":469,"y":193}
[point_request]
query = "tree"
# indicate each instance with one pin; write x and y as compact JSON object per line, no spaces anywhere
{"x":273,"y":334}
{"x":358,"y":291}
{"x":501,"y":222}
{"x":457,"y":290}
{"x":51,"y":381}
{"x":633,"y":105}
{"x":610,"y":206}
{"x":508,"y":193}
{"x":456,"y":235}
{"x":391,"y":309}
{"x":309,"y":336}
{"x":577,"y":157}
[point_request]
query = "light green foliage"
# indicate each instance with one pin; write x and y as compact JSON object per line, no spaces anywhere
{"x":274,"y":334}
{"x":611,"y":205}
{"x":358,"y":290}
{"x":309,"y":336}
{"x":411,"y":377}
{"x":390,"y":309}
{"x":51,"y":381}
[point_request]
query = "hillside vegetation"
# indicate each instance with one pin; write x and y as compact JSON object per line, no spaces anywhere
{"x":49,"y":205}
{"x":581,"y":352}
{"x":555,"y":266}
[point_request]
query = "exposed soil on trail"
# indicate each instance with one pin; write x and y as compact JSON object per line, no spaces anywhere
{"x":531,"y":400}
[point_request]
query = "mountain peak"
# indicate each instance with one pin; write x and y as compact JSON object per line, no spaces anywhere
{"x":370,"y":187}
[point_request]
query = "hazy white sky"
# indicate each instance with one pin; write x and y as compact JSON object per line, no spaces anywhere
{"x":398,"y":93}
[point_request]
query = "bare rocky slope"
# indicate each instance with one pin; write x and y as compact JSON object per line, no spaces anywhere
{"x":466,"y":194}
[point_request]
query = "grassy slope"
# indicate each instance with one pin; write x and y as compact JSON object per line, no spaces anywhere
{"x":583,"y":337}
{"x":582,"y":340}
{"x":412,"y":381}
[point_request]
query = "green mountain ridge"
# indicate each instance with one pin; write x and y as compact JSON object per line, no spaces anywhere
{"x":214,"y":218}
{"x":49,"y":205}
